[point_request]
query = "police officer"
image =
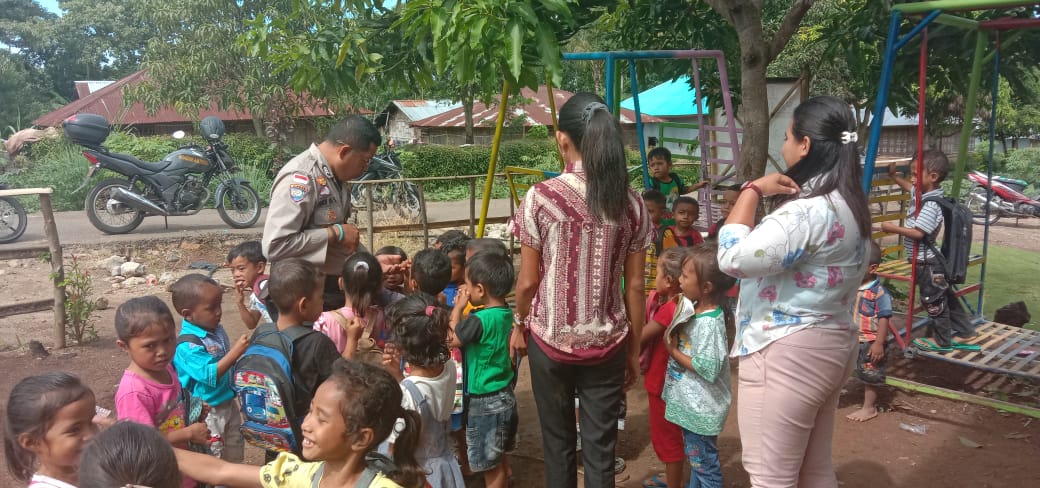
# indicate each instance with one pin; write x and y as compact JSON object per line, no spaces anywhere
{"x":310,"y":202}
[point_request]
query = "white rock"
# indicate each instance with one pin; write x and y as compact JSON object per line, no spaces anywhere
{"x":166,"y":278}
{"x":117,"y":279}
{"x":111,"y":261}
{"x":134,"y":281}
{"x":132,"y":269}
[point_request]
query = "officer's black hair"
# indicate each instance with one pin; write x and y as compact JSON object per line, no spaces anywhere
{"x":354,"y":131}
{"x":431,"y":270}
{"x":492,"y":270}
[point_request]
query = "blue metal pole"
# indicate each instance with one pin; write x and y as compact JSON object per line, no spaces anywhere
{"x":639,"y":122}
{"x":917,"y":28}
{"x":610,"y":80}
{"x":882,"y":100}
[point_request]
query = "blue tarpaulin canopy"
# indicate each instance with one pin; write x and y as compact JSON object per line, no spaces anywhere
{"x":669,"y":99}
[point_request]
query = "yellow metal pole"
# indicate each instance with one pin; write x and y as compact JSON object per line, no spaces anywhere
{"x":494,"y":158}
{"x":552,"y":113}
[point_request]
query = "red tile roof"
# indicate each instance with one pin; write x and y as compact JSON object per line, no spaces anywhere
{"x":108,"y":102}
{"x":536,"y":111}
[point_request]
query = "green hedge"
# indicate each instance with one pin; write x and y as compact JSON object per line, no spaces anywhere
{"x":59,"y":164}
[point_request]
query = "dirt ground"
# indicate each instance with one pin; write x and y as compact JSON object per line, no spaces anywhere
{"x":964,"y":445}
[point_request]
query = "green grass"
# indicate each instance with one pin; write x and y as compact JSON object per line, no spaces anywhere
{"x":1012,"y":275}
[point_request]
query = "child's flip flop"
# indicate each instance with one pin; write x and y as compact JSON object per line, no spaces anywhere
{"x":655,"y":481}
{"x":929,"y":344}
{"x":963,"y":346}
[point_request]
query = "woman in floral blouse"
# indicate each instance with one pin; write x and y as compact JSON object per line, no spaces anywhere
{"x":799,"y":270}
{"x":581,"y":233}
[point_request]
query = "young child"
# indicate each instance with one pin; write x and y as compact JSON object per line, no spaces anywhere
{"x":420,"y":331}
{"x":655,"y":208}
{"x":297,"y":293}
{"x":362,"y":285}
{"x":129,"y":454}
{"x":686,"y":210}
{"x":665,"y":436}
{"x":353,"y":411}
{"x":491,"y":415}
{"x":431,"y":272}
{"x":943,"y":307}
{"x":247,"y":263}
{"x":456,"y":251}
{"x":203,"y":360}
{"x":662,"y":179}
{"x":697,"y":387}
{"x":393,"y":282}
{"x":47,"y":422}
{"x":873,"y":311}
{"x":149,"y":392}
{"x":730,"y":193}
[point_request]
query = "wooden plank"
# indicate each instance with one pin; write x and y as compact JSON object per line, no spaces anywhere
{"x":885,"y":218}
{"x":26,"y":307}
{"x":1024,"y":343}
{"x":989,"y":332}
{"x":1006,"y":334}
{"x":57,"y":268}
{"x":888,"y":198}
{"x":1027,"y":360}
{"x":26,"y":252}
{"x":17,"y":192}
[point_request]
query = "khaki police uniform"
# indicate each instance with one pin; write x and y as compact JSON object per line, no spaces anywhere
{"x":306,"y":198}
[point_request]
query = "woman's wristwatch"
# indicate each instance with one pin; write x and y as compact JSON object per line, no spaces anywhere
{"x":750,"y":185}
{"x":518,"y":321}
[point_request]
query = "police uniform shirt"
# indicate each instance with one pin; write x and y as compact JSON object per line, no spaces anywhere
{"x":306,"y":198}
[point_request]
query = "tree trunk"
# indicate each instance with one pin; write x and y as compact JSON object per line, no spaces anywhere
{"x":467,"y":110}
{"x":258,"y":126}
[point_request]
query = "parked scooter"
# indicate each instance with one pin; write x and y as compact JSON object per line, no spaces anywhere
{"x":401,"y":196}
{"x":177,"y":185}
{"x":1007,"y":200}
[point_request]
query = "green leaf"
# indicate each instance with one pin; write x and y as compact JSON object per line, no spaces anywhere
{"x":515,"y":45}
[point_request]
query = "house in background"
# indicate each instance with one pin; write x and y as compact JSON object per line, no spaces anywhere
{"x":106,"y":99}
{"x":395,"y":121}
{"x":450,"y":127}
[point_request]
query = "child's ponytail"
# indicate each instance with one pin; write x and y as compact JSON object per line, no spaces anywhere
{"x":409,"y":473}
{"x":362,"y":281}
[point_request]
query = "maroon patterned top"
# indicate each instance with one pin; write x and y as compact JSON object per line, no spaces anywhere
{"x":578,"y":312}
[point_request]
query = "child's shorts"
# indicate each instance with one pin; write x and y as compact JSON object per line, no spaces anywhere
{"x":491,"y":423}
{"x":868,"y":372}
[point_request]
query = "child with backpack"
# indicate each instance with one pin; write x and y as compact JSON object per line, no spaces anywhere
{"x":149,"y":392}
{"x":247,"y":263}
{"x":420,"y":331}
{"x":362,"y":285}
{"x":276,"y":378}
{"x":355,"y":409}
{"x":203,"y":360}
{"x":933,"y":273}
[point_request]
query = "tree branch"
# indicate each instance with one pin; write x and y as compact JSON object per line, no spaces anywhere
{"x":788,"y":27}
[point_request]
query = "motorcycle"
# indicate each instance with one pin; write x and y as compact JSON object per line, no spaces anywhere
{"x":13,"y":219}
{"x":1008,"y":199}
{"x":401,"y":196}
{"x":179,"y":185}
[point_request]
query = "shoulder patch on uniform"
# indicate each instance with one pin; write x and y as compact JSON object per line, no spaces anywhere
{"x":327,"y":171}
{"x":297,"y":192}
{"x":301,"y":178}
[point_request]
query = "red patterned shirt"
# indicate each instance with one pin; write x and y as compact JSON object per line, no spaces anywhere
{"x":578,"y":312}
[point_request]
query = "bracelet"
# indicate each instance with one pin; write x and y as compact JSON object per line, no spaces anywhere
{"x":339,"y":232}
{"x":518,"y":321}
{"x":750,"y":185}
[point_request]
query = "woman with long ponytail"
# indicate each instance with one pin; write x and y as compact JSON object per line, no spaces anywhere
{"x":580,"y":234}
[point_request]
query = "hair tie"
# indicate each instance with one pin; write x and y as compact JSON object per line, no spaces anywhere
{"x":361,"y":265}
{"x":430,"y":309}
{"x":849,"y":136}
{"x":591,"y":108}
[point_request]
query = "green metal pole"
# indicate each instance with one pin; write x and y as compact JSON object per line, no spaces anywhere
{"x":492,"y":165}
{"x":981,"y":40}
{"x":962,"y":397}
{"x":922,"y":7}
{"x":954,"y":21}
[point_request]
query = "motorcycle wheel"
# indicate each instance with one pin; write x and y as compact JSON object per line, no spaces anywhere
{"x":13,"y":220}
{"x":975,"y":200}
{"x":406,"y":200}
{"x":120,"y":221}
{"x":238,"y":206}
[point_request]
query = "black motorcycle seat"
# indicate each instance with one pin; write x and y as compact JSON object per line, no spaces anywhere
{"x":145,"y":165}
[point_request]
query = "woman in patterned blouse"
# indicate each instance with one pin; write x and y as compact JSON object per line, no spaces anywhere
{"x":580,"y":234}
{"x":799,"y":270}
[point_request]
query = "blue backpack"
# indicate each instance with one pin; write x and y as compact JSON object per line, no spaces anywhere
{"x":263,"y":383}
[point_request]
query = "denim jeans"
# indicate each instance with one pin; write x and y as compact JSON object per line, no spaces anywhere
{"x":491,"y":422}
{"x":702,"y":451}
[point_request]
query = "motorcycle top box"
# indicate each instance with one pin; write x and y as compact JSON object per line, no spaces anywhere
{"x":86,"y":129}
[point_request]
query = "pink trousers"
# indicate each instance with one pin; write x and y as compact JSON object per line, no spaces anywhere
{"x":788,"y":398}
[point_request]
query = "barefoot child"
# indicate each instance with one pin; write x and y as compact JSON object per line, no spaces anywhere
{"x":247,"y":263}
{"x":47,"y":423}
{"x":873,"y":311}
{"x":149,"y":392}
{"x":666,"y":437}
{"x":697,"y":387}
{"x":420,"y":331}
{"x":351,"y":413}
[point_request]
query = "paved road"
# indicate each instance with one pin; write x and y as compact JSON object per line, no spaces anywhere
{"x":74,"y":228}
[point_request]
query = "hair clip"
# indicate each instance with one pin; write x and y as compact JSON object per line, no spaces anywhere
{"x":591,"y":108}
{"x":430,"y":309}
{"x":849,"y":136}
{"x":361,"y":265}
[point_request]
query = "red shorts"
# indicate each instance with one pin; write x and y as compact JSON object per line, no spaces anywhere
{"x":666,"y":437}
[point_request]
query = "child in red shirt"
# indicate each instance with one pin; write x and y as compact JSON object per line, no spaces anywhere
{"x":686,"y":210}
{"x":665,"y":436}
